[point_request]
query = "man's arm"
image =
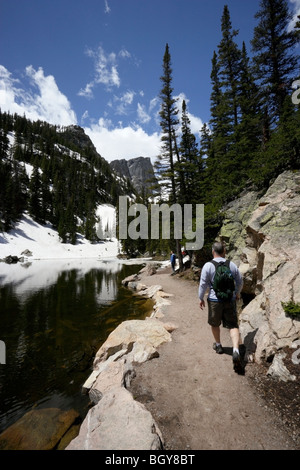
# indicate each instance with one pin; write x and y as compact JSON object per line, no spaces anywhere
{"x":204,"y":284}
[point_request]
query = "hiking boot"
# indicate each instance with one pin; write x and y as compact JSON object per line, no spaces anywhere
{"x":238,"y":364}
{"x":218,"y":348}
{"x":242,"y":349}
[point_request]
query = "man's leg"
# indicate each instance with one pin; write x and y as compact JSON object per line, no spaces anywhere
{"x":214,"y":320}
{"x":235,"y":337}
{"x":238,"y":365}
{"x":216,"y":334}
{"x":217,"y":346}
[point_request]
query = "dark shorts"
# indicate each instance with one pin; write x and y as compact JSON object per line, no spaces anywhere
{"x":222,"y":312}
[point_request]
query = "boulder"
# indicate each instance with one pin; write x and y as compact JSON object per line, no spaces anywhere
{"x":38,"y":430}
{"x":101,"y":367}
{"x":11,"y":259}
{"x":278,"y":370}
{"x":151,"y":291}
{"x":118,"y":422}
{"x":132,"y":278}
{"x":26,"y":253}
{"x":149,"y":269}
{"x":129,"y":332}
{"x":115,"y":375}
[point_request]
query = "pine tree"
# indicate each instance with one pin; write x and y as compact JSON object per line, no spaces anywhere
{"x":229,"y":64}
{"x":248,"y":132}
{"x":35,"y":196}
{"x":220,"y":121}
{"x":165,"y":165}
{"x":190,"y":165}
{"x":274,"y":62}
{"x":168,"y":123}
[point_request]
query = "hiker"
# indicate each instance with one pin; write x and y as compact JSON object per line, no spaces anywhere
{"x":224,"y":290}
{"x":173,"y":260}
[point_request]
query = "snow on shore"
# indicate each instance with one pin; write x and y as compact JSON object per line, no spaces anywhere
{"x":44,"y":243}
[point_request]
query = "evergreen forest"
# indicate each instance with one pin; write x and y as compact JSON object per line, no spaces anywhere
{"x":252,"y":136}
{"x":254,"y":130}
{"x":55,"y":174}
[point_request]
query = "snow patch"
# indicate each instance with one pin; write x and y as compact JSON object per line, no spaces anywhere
{"x":44,"y":243}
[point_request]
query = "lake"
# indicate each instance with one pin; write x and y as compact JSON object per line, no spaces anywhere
{"x":54,"y":316}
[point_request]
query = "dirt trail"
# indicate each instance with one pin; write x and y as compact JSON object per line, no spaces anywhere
{"x":197,"y":400}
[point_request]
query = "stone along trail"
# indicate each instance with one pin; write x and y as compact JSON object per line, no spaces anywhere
{"x":193,"y":394}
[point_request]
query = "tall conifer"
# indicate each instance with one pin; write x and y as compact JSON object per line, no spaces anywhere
{"x":274,"y":61}
{"x":165,"y":165}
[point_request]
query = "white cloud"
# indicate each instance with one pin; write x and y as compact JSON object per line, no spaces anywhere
{"x":106,"y":7}
{"x":106,"y":71}
{"x":121,"y":104}
{"x":153,"y":103}
{"x":123,"y":142}
{"x":124,"y":54}
{"x":143,"y":116}
{"x":45,"y":101}
{"x":87,"y":92}
{"x":84,"y":116}
{"x":296,"y":12}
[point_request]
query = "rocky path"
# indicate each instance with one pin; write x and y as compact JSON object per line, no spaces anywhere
{"x":195,"y":397}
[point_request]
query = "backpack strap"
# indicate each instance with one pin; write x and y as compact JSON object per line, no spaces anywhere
{"x":224,"y":263}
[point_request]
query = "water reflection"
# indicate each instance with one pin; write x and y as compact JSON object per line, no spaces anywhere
{"x":53,"y":317}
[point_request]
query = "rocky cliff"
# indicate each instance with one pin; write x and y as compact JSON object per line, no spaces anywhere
{"x":138,"y":170}
{"x":262,"y":233}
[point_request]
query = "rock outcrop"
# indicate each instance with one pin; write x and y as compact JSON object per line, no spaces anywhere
{"x":262,"y":233}
{"x":117,"y":421}
{"x":75,"y":135}
{"x":138,"y":170}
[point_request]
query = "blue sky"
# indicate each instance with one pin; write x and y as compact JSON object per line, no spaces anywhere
{"x":97,"y":63}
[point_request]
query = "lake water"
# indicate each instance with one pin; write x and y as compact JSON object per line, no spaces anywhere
{"x":54,"y":316}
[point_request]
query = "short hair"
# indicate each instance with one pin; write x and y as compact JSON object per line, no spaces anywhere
{"x":218,"y":248}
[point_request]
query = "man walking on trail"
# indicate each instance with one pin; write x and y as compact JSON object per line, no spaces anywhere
{"x":222,"y":299}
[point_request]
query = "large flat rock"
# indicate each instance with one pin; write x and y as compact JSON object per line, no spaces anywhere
{"x":151,"y":332}
{"x":118,"y":422}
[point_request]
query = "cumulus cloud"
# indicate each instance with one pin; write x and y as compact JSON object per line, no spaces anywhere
{"x":296,"y":11}
{"x":123,"y":142}
{"x":44,"y":101}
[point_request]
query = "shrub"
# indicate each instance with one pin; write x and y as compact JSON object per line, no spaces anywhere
{"x":291,"y":308}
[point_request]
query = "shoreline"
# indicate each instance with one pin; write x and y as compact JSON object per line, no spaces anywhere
{"x":133,"y":342}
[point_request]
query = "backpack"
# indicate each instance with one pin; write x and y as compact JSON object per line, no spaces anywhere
{"x":223,"y":283}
